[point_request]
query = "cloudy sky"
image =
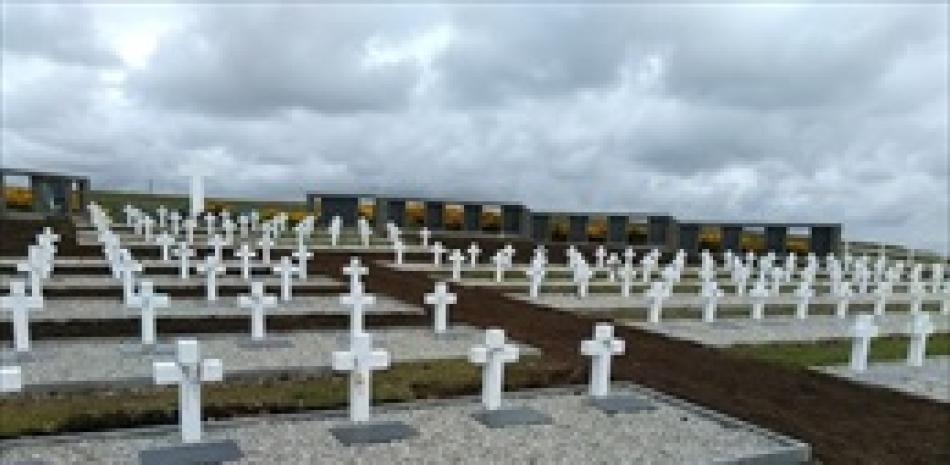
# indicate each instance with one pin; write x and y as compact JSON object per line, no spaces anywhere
{"x":783,"y":113}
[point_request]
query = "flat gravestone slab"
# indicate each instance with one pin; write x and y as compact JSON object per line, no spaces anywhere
{"x":136,"y":349}
{"x":773,"y":323}
{"x":188,"y":454}
{"x":511,"y":417}
{"x":372,"y":433}
{"x":726,"y":325}
{"x":451,"y":335}
{"x":622,"y":404}
{"x":268,"y":343}
{"x":17,"y":357}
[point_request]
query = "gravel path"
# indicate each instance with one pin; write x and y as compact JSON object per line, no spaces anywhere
{"x":83,"y":360}
{"x":744,"y":331}
{"x":670,"y":434}
{"x":67,"y":309}
{"x":931,"y":381}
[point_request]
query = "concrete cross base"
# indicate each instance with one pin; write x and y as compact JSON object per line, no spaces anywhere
{"x":133,"y":349}
{"x":504,"y":418}
{"x":451,"y":335}
{"x":621,"y":403}
{"x":373,"y":433}
{"x":267,"y":343}
{"x":725,"y":325}
{"x":16,"y":358}
{"x":187,"y":454}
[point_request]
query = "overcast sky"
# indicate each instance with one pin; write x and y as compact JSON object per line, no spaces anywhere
{"x":781,"y":113}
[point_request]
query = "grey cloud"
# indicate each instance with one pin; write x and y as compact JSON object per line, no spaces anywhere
{"x":58,"y":32}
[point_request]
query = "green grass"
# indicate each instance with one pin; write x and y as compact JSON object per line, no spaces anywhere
{"x":114,"y":201}
{"x":836,"y":352}
{"x":29,"y":414}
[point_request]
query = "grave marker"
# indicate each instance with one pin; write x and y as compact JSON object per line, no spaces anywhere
{"x":456,"y":258}
{"x":360,"y":361}
{"x":165,"y":241}
{"x":20,"y":304}
{"x":286,"y":270}
{"x":440,"y":299}
{"x":211,"y":268}
{"x":862,"y":332}
{"x":11,"y":379}
{"x":473,"y":253}
{"x":245,"y":254}
{"x":188,"y":371}
{"x":356,"y":299}
{"x":258,"y":301}
{"x":183,"y":253}
{"x":493,"y":356}
{"x":147,"y":301}
{"x":600,"y":349}
{"x":920,"y":328}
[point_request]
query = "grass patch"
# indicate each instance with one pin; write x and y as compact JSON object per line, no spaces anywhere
{"x":836,"y":352}
{"x":59,"y":413}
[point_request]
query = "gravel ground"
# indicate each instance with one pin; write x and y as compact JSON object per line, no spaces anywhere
{"x":931,"y":381}
{"x":670,"y":434}
{"x":66,"y":309}
{"x":69,"y":360}
{"x":736,"y":331}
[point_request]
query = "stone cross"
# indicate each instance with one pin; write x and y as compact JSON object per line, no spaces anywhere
{"x":228,"y":227}
{"x":165,"y":241}
{"x":130,"y":212}
{"x":11,"y":379}
{"x":148,"y":222}
{"x":190,"y":225}
{"x":437,"y":251}
{"x":804,"y":292}
{"x":582,"y":275}
{"x":36,"y":266}
{"x":334,"y":230}
{"x":245,"y":254}
{"x":211,"y":268}
{"x":302,"y":255}
{"x":456,"y":258}
{"x":657,"y":293}
{"x":424,"y":234}
{"x":162,"y":213}
{"x":627,"y":275}
{"x":175,"y":219}
{"x":600,"y":349}
{"x":243,"y":226}
{"x":778,"y":275}
{"x":357,"y":299}
{"x":493,"y":356}
{"x":216,"y":243}
{"x":881,"y":292}
{"x":355,"y":270}
{"x":400,"y":249}
{"x":441,"y":298}
{"x":843,"y":297}
{"x":862,"y":332}
{"x":147,"y":301}
{"x":188,"y":371}
{"x":286,"y":270}
{"x":266,"y":243}
{"x":917,"y":291}
{"x":936,"y":277}
{"x":920,"y":328}
{"x":184,"y":253}
{"x":600,"y":254}
{"x":500,"y":260}
{"x":613,"y":261}
{"x":20,"y":304}
{"x":128,"y":267}
{"x":740,"y":276}
{"x":210,"y":220}
{"x":710,"y":295}
{"x":535,"y":275}
{"x":360,"y":361}
{"x":473,"y":253}
{"x":255,"y":218}
{"x":258,"y":302}
{"x":628,"y":256}
{"x":758,"y":294}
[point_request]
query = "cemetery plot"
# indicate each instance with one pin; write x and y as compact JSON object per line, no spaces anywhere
{"x":66,"y":362}
{"x":930,"y":380}
{"x":666,"y":431}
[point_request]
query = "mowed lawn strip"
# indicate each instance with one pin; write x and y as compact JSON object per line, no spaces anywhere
{"x":837,"y":351}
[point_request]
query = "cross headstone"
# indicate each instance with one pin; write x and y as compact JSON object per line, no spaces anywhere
{"x":286,"y":270}
{"x":243,"y":222}
{"x":183,"y":253}
{"x":864,"y":329}
{"x":190,"y":225}
{"x":258,"y":302}
{"x":440,"y":299}
{"x":500,"y":261}
{"x":357,"y":299}
{"x":657,"y":293}
{"x":360,"y":361}
{"x":600,"y":349}
{"x":20,"y":304}
{"x":881,"y":292}
{"x":758,"y":295}
{"x":804,"y":292}
{"x":165,"y":241}
{"x":437,"y":251}
{"x":600,"y":254}
{"x":302,"y":255}
{"x":36,"y":267}
{"x":216,"y":242}
{"x":266,"y":243}
{"x":128,"y":267}
{"x":162,"y":213}
{"x":582,"y":275}
{"x":493,"y":356}
{"x":245,"y":254}
{"x":11,"y":379}
{"x":210,"y":220}
{"x":355,"y":270}
{"x":842,"y":299}
{"x":473,"y":252}
{"x":920,"y":328}
{"x":627,"y":275}
{"x":399,"y":248}
{"x":424,"y":235}
{"x":917,"y":291}
{"x":228,"y":227}
{"x":710,"y":295}
{"x":211,"y":268}
{"x":535,"y":275}
{"x":175,"y":219}
{"x":147,"y":301}
{"x":456,"y":258}
{"x":188,"y":371}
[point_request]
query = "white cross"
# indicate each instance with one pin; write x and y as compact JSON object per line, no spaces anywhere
{"x":188,"y":371}
{"x":20,"y":304}
{"x":628,"y":256}
{"x":881,"y":292}
{"x":165,"y":241}
{"x":175,"y":218}
{"x":582,"y":275}
{"x":500,"y":260}
{"x":357,"y":299}
{"x":129,"y":211}
{"x":600,"y":349}
{"x":425,"y":234}
{"x":216,"y":243}
{"x":148,"y":222}
{"x":399,"y":248}
{"x":228,"y":226}
{"x":627,"y":275}
{"x":936,"y":277}
{"x":613,"y":261}
{"x":147,"y":301}
{"x":354,"y":270}
{"x":535,"y":274}
{"x":190,"y":225}
{"x":711,"y":294}
{"x":334,"y":231}
{"x":758,"y":295}
{"x":266,"y":242}
{"x":37,"y":267}
{"x":920,"y":328}
{"x":804,"y":293}
{"x":11,"y":379}
{"x":600,"y":254}
{"x":862,"y":332}
{"x":128,"y":267}
{"x":360,"y":360}
{"x":473,"y":252}
{"x":364,"y":232}
{"x":302,"y":255}
{"x":258,"y":302}
{"x":657,"y":293}
{"x":456,"y":258}
{"x":777,"y":276}
{"x":842,"y":296}
{"x":242,"y":226}
{"x":162,"y":214}
{"x":441,"y":298}
{"x":183,"y":253}
{"x":917,"y":291}
{"x":245,"y":254}
{"x":437,"y":251}
{"x":211,"y":268}
{"x":493,"y":356}
{"x":286,"y":269}
{"x":255,"y":216}
{"x":210,"y":221}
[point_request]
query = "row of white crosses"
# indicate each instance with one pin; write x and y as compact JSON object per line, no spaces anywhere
{"x":864,"y":330}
